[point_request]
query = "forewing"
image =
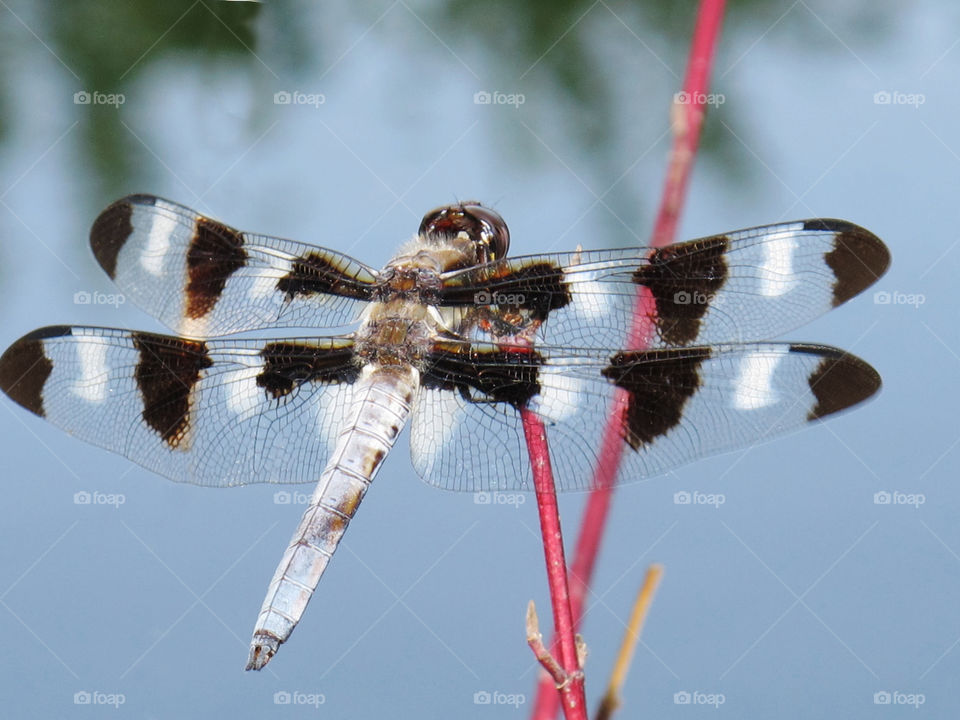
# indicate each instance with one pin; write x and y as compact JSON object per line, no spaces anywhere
{"x":669,"y":407}
{"x":742,"y":286}
{"x":202,"y":278}
{"x":211,"y":413}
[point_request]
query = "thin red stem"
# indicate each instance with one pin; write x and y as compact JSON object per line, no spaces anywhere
{"x":687,"y":123}
{"x":571,"y":693}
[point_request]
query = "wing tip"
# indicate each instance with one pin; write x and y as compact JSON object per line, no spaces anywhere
{"x":50,"y":331}
{"x":111,"y":230}
{"x":840,"y":381}
{"x":113,"y":226}
{"x":858,"y":259}
{"x":25,"y":367}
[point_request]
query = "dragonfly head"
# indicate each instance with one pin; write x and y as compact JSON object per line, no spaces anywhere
{"x":470,"y":220}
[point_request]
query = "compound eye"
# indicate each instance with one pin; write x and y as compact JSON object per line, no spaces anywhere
{"x":480,"y":224}
{"x":433,"y":222}
{"x":493,"y":232}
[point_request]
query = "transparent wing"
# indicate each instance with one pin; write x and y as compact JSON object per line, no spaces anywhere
{"x":211,"y":413}
{"x":202,"y":278}
{"x":742,"y":286}
{"x":669,"y":406}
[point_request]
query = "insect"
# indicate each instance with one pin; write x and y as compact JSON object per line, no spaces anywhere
{"x":452,"y":337}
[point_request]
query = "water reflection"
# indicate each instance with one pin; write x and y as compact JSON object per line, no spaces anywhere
{"x":602,"y":74}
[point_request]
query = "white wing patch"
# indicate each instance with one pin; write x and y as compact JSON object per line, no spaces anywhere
{"x":91,"y":385}
{"x":754,"y":385}
{"x":777,"y":273}
{"x":244,"y":397}
{"x":195,"y":327}
{"x":335,"y":412}
{"x":264,"y":285}
{"x":162,"y":228}
{"x":560,"y":395}
{"x":591,"y":299}
{"x":438,"y":417}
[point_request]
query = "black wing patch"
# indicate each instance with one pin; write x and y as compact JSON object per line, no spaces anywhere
{"x":683,"y":279}
{"x":24,"y":368}
{"x":841,"y":380}
{"x":658,"y":383}
{"x":110,"y":232}
{"x":287,"y":365}
{"x":499,"y":375}
{"x":168,"y":370}
{"x":215,"y":254}
{"x":858,"y":257}
{"x":323,"y":273}
{"x":538,"y":287}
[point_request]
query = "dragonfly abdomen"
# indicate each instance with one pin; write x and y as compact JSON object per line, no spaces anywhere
{"x":383,"y":402}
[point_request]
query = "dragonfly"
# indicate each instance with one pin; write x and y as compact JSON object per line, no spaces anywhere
{"x":451,"y":337}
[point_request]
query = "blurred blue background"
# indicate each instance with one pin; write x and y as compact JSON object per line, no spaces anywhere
{"x":799,"y":596}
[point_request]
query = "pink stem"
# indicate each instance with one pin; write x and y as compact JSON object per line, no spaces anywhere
{"x":571,"y":692}
{"x":685,"y":142}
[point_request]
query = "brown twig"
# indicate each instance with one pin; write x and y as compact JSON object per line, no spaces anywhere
{"x":535,"y":641}
{"x":611,"y":700}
